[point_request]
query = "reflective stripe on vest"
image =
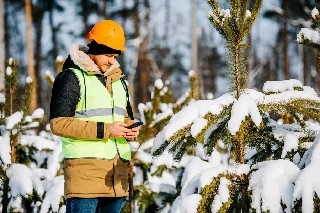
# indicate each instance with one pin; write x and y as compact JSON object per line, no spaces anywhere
{"x":96,"y":104}
{"x":99,"y":112}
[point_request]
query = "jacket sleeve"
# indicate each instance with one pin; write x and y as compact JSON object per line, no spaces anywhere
{"x":70,"y":127}
{"x":64,"y":99}
{"x":127,"y":120}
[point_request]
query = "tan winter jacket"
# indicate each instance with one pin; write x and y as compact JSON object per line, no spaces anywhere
{"x":85,"y":178}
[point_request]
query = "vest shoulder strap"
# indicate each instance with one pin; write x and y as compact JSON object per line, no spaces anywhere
{"x":85,"y":86}
{"x":129,"y":108}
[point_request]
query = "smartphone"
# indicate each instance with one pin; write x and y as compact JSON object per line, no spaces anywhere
{"x":136,"y":124}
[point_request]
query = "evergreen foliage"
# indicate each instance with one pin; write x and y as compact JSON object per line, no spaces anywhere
{"x":28,"y":171}
{"x":11,"y":81}
{"x":234,"y":24}
{"x":155,"y":115}
{"x":263,"y":138}
{"x":50,"y":79}
{"x":254,"y":126}
{"x":309,"y":37}
{"x":209,"y":192}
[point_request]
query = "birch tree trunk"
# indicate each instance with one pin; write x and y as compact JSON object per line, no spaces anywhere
{"x":30,"y":58}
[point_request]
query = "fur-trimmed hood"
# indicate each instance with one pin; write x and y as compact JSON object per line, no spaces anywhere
{"x":78,"y":58}
{"x":83,"y":61}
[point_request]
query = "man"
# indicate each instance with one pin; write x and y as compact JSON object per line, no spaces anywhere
{"x":89,"y":111}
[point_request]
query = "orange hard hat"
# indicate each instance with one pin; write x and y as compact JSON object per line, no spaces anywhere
{"x":108,"y":33}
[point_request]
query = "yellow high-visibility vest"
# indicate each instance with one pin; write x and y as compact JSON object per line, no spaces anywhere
{"x":97,"y":104}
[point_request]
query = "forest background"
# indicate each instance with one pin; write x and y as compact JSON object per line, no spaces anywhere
{"x":277,"y":126}
{"x":165,"y":39}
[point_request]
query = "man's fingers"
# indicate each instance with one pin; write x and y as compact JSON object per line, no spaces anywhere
{"x":126,"y":130}
{"x":132,"y":133}
{"x":135,"y":129}
{"x":118,"y":130}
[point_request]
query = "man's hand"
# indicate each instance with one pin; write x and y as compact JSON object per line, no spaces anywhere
{"x":118,"y":130}
{"x":132,"y":134}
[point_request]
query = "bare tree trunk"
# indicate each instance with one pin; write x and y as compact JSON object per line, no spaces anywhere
{"x":145,"y":62}
{"x":133,"y":78}
{"x":284,"y":39}
{"x":274,"y":75}
{"x":212,"y":73}
{"x":317,"y":78}
{"x":131,"y":187}
{"x":194,"y":47}
{"x":142,"y":94}
{"x":5,"y":181}
{"x":5,"y":194}
{"x":134,"y":96}
{"x":144,"y":75}
{"x":167,"y":22}
{"x":166,"y":51}
{"x":85,"y":16}
{"x":194,"y":39}
{"x":2,"y":47}
{"x":123,"y":22}
{"x":38,"y":16}
{"x":305,"y":64}
{"x":125,"y":17}
{"x":31,"y":71}
{"x":103,"y":10}
{"x":249,"y":82}
{"x":53,"y":35}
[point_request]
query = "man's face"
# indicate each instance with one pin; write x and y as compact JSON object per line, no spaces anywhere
{"x":104,"y":62}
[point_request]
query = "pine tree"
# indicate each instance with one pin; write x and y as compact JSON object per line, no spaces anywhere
{"x":29,"y":157}
{"x":234,"y":24}
{"x":246,"y":121}
{"x":155,"y":115}
{"x":311,"y":37}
